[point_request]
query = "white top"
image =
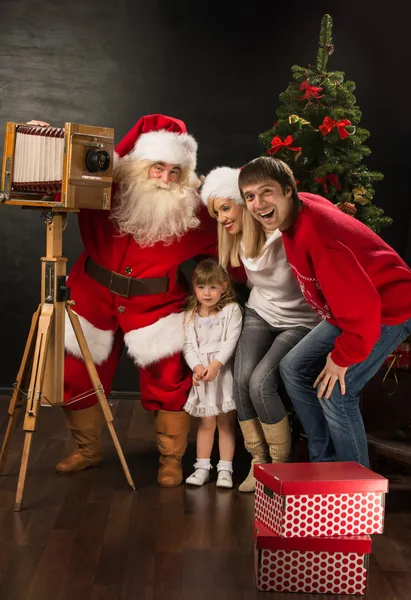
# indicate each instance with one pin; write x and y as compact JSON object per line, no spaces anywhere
{"x":275,"y":294}
{"x":223,"y":341}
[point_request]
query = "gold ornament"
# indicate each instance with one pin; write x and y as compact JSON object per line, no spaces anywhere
{"x":296,"y":119}
{"x":360,"y":195}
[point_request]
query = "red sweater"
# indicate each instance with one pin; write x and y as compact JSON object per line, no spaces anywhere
{"x":348,"y":274}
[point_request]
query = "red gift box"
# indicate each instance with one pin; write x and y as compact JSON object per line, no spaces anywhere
{"x":337,"y":565}
{"x":319,"y":499}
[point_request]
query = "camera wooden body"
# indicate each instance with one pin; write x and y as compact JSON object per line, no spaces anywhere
{"x":81,"y":155}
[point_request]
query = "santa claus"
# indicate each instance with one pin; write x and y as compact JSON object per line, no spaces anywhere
{"x":127,"y":290}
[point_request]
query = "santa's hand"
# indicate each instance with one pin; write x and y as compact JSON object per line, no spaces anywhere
{"x":38,"y":123}
{"x":326,"y":380}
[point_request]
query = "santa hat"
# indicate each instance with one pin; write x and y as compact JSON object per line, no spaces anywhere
{"x":160,"y":139}
{"x":222,"y":182}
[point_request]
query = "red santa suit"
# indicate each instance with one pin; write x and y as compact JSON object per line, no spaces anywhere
{"x":149,"y":324}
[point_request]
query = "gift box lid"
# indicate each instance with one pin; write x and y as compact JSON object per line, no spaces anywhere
{"x":267,"y":540}
{"x":319,"y":478}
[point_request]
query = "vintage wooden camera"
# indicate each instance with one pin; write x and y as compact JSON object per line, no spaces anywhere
{"x":58,"y":170}
{"x":65,"y":168}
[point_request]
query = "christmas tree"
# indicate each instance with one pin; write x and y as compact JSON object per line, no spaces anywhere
{"x":318,"y":135}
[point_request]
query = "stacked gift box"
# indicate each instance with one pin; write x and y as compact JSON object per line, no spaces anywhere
{"x":313,"y":523}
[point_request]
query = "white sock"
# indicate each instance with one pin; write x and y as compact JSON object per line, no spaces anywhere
{"x":225,"y":465}
{"x":203,"y":463}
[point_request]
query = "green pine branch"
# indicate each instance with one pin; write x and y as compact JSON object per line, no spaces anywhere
{"x":325,"y":44}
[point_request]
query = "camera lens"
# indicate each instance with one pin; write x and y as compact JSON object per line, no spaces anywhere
{"x":97,"y":160}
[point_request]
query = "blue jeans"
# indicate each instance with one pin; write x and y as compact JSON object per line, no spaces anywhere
{"x":334,"y":427}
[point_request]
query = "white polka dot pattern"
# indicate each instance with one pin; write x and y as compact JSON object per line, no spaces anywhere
{"x":268,"y":510}
{"x":320,"y":515}
{"x":311,"y":573}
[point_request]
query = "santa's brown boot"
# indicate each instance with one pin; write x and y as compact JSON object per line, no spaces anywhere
{"x":86,"y":426}
{"x":255,"y":443}
{"x":171,"y":429}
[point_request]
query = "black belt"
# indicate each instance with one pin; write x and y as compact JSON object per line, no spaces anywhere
{"x":123,"y":285}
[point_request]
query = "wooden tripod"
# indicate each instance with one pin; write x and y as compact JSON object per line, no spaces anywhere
{"x":42,"y":367}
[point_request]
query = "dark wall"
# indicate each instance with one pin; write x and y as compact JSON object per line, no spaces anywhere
{"x":217,"y":66}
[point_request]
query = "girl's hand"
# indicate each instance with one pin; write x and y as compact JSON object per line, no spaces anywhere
{"x":328,"y":377}
{"x":212,"y":370}
{"x":198,"y":373}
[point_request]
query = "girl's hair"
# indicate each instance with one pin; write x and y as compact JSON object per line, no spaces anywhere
{"x":209,"y":272}
{"x":262,"y":169}
{"x":229,"y":244}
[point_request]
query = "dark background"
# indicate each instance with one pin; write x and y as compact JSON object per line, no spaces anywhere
{"x":218,"y":66}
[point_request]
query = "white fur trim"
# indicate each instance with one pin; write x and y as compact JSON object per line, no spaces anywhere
{"x":99,"y":341}
{"x":222,"y":182}
{"x":165,"y":146}
{"x":150,"y":344}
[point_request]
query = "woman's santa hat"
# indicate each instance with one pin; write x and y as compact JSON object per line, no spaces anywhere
{"x":222,"y":182}
{"x":161,"y":139}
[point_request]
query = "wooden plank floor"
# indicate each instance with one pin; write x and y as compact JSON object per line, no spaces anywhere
{"x":89,"y":537}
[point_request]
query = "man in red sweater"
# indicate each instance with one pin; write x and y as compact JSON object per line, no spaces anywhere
{"x":358,"y":285}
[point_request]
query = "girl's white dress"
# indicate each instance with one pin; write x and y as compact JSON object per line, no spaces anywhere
{"x":206,"y":339}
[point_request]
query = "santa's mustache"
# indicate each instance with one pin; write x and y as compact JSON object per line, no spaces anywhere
{"x":161,"y":184}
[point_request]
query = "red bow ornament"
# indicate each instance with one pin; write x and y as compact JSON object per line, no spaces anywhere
{"x":310,"y":90}
{"x":329,"y":124}
{"x":332,"y":178}
{"x":277,"y":143}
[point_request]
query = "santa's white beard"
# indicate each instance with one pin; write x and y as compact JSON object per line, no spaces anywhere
{"x":152,"y":211}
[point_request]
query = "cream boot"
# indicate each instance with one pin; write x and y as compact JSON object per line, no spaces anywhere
{"x":254,"y":442}
{"x":172,"y":429}
{"x":86,"y":426}
{"x":278,"y":438}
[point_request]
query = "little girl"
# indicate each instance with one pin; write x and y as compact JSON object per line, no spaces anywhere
{"x":212,"y":327}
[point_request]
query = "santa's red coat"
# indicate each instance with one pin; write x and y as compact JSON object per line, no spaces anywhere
{"x":152,"y":324}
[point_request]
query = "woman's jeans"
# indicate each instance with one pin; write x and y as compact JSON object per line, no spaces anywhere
{"x":334,"y":427}
{"x":256,"y":376}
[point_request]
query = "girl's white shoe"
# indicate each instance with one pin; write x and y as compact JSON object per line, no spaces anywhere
{"x":224,"y":479}
{"x":199,"y":477}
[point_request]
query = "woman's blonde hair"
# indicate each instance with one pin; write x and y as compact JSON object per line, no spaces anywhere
{"x":209,"y":272}
{"x":251,"y":236}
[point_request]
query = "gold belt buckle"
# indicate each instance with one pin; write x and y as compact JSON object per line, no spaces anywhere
{"x":110,"y":285}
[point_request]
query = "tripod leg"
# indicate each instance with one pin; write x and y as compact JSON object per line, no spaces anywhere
{"x":34,"y":393}
{"x":92,"y":371}
{"x":22,"y":376}
{"x":23,"y":470}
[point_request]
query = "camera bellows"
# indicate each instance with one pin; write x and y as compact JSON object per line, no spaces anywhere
{"x":38,"y":158}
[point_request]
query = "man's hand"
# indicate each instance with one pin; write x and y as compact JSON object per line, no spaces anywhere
{"x":327,"y":378}
{"x":212,"y":370}
{"x":198,"y":373}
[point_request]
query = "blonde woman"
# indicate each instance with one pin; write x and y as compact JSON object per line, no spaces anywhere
{"x":276,"y":318}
